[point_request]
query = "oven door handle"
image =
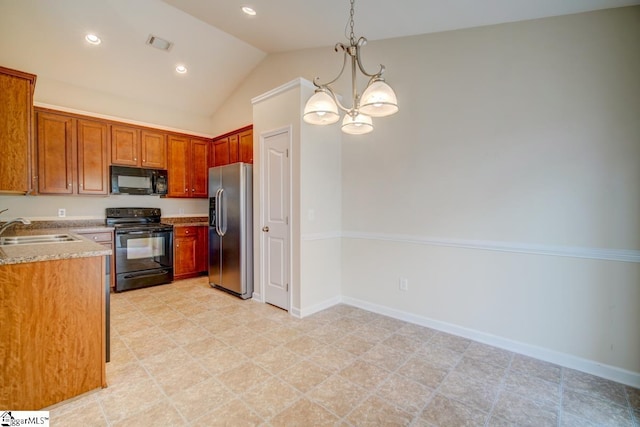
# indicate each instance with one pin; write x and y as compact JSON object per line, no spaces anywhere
{"x":133,"y":232}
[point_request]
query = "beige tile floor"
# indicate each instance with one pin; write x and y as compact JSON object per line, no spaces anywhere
{"x":185,"y":354}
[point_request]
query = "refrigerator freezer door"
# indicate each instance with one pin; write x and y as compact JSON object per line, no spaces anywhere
{"x":231,"y":210}
{"x":231,"y":247}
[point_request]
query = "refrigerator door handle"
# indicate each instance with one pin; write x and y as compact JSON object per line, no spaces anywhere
{"x":217,"y":212}
{"x":221,"y":228}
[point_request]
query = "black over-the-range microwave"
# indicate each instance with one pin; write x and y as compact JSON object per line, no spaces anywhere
{"x":126,"y":180}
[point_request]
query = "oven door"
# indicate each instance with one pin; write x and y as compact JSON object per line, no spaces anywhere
{"x":143,"y":258}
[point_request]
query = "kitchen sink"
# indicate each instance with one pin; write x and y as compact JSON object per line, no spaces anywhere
{"x":37,"y":239}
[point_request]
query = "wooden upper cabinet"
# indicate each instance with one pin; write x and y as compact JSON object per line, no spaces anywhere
{"x":93,"y":157}
{"x":125,"y":145}
{"x":16,"y":139}
{"x":236,"y":146}
{"x":178,"y":167}
{"x":199,"y":167}
{"x":245,"y":146}
{"x":73,"y":155}
{"x":153,"y":150}
{"x":188,"y":167}
{"x":225,"y":150}
{"x":56,"y":154}
{"x":134,"y":147}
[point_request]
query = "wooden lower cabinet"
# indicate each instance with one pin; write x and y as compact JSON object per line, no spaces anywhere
{"x":52,"y":331}
{"x":191,"y":247}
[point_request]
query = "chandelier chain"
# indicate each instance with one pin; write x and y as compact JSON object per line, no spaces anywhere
{"x":352,"y":36}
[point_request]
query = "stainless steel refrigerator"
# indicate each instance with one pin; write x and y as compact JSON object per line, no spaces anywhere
{"x":231,"y":229}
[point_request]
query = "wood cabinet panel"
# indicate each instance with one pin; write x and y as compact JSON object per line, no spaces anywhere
{"x":16,"y":122}
{"x":56,"y":154}
{"x":73,"y":155}
{"x":125,"y":144}
{"x":131,"y":146}
{"x":93,"y":157}
{"x":153,"y":150}
{"x":236,"y":146}
{"x":245,"y":146}
{"x":178,"y":166}
{"x":52,"y":331}
{"x":199,"y":167}
{"x":202,"y":251}
{"x":225,"y":150}
{"x":188,"y":167}
{"x":190,"y":251}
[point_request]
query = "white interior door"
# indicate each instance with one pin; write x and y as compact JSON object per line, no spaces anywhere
{"x":275,"y":219}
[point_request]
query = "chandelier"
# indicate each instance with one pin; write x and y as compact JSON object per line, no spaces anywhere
{"x":377,"y":100}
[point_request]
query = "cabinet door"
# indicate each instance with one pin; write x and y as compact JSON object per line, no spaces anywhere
{"x":225,"y":150}
{"x":178,"y":167}
{"x":185,"y":251}
{"x":93,"y":160}
{"x":55,"y":154}
{"x":125,"y":146}
{"x":199,"y":167}
{"x":154,"y":150}
{"x":245,"y":146}
{"x":16,"y":103}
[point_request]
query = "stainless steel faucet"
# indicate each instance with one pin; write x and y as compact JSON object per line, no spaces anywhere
{"x":13,"y":221}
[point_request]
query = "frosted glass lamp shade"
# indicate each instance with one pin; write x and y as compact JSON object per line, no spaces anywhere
{"x":357,"y":125}
{"x":379,"y":100}
{"x":321,"y":109}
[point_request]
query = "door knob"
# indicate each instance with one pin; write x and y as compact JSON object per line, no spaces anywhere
{"x":265,"y":229}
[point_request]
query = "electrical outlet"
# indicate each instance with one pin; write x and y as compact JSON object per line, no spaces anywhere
{"x":404,"y":284}
{"x":62,"y":213}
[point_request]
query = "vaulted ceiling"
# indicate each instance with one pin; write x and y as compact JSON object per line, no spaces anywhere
{"x":217,"y":42}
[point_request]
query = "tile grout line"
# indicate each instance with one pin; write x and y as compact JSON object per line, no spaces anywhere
{"x":500,"y":389}
{"x":155,"y":381}
{"x":561,"y":403}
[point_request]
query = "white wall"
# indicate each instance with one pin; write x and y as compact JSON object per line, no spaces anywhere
{"x":43,"y":208}
{"x":315,"y":220}
{"x":505,"y":189}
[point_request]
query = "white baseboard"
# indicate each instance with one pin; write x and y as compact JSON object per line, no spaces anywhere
{"x":569,"y":361}
{"x":308,"y":311}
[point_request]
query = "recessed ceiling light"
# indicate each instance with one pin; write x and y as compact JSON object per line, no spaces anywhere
{"x":181,"y":69}
{"x":249,"y":10}
{"x":93,"y":39}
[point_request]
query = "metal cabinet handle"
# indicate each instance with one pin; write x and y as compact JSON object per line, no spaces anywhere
{"x":265,"y":229}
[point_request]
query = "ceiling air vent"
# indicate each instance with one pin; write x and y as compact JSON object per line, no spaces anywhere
{"x":159,"y":43}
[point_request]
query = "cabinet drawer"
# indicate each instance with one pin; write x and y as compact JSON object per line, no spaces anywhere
{"x":185,"y":231}
{"x":97,"y":237}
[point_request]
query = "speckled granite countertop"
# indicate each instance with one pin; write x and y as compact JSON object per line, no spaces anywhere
{"x":187,"y":221}
{"x":83,"y":248}
{"x":18,"y":254}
